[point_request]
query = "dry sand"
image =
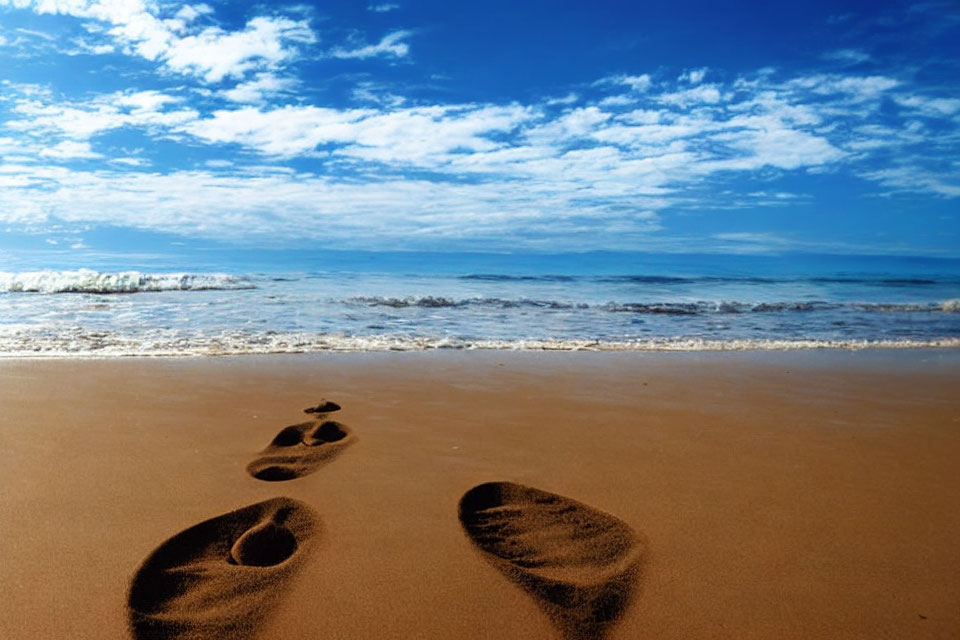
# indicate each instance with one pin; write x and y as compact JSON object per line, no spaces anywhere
{"x":777,"y":495}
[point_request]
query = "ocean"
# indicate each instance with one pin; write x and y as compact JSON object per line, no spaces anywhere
{"x":279,"y":302}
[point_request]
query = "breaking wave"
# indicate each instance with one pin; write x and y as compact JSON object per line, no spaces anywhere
{"x":653,"y":308}
{"x":438,"y":302}
{"x":89,"y":281}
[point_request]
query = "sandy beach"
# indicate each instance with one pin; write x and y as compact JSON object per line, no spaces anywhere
{"x":811,"y":494}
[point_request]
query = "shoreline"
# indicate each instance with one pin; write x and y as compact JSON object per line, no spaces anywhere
{"x":781,"y":494}
{"x":417,"y":345}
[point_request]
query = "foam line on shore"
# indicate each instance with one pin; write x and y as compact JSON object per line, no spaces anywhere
{"x":20,"y":342}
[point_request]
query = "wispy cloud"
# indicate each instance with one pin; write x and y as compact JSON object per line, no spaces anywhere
{"x":910,"y":179}
{"x":37,"y":34}
{"x":81,"y":121}
{"x":263,"y":87}
{"x":82,"y":46}
{"x":637,"y":83}
{"x":847,"y":56}
{"x":281,"y":203}
{"x":390,"y":45}
{"x":382,"y":8}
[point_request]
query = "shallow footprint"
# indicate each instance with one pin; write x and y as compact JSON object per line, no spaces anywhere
{"x":300,"y":449}
{"x":222,"y":577}
{"x":580,"y":564}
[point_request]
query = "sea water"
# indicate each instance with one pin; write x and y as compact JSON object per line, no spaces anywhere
{"x":261,"y":302}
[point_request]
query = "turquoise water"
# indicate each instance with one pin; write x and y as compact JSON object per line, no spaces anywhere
{"x":250,"y":302}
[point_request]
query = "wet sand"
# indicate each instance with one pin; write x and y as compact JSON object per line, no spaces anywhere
{"x":812,"y":494}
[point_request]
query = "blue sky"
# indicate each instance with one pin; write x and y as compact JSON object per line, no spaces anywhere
{"x":742,"y":127}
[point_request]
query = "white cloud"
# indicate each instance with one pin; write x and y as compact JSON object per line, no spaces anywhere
{"x":403,"y":135}
{"x":84,"y":47}
{"x":111,"y":111}
{"x":211,"y":53}
{"x":371,"y":92}
{"x":215,"y":54}
{"x":70,"y":150}
{"x":572,"y":124}
{"x":287,"y":131}
{"x":927,"y":106}
{"x":33,"y":32}
{"x":26,"y":90}
{"x":263,"y":86}
{"x":617,"y":101}
{"x":190,"y":12}
{"x":389,"y":45}
{"x":915,"y":179}
{"x":738,"y":236}
{"x":847,"y":56}
{"x":636,"y":83}
{"x":771,"y":102}
{"x":694,"y":76}
{"x":770,"y":144}
{"x":456,"y":170}
{"x":856,"y":87}
{"x":130,"y":162}
{"x":382,"y":8}
{"x":570,"y":98}
{"x":271,"y":204}
{"x":701,"y":94}
{"x":427,"y":135}
{"x":746,"y":242}
{"x":142,"y":101}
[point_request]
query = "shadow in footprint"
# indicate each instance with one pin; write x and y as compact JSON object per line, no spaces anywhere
{"x":300,"y":449}
{"x":581,"y":565}
{"x":222,"y":577}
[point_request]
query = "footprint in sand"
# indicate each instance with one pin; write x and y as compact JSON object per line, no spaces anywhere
{"x":300,"y":449}
{"x":222,"y":577}
{"x":580,"y":564}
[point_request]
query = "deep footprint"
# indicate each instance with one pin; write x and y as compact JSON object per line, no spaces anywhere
{"x":581,"y":565}
{"x":301,"y":449}
{"x":222,"y":577}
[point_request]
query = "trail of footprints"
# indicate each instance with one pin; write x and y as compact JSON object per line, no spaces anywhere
{"x":301,"y":449}
{"x":223,"y":577}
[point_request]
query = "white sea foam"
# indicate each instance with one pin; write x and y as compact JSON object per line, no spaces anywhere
{"x":651,"y":308}
{"x":290,"y":313}
{"x":89,"y":281}
{"x":30,"y":342}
